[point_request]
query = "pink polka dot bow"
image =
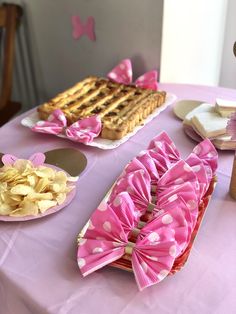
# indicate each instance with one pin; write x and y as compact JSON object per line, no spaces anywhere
{"x":231,"y":127}
{"x":123,"y":73}
{"x":152,"y":255}
{"x":179,"y":181}
{"x":83,"y":131}
{"x":203,"y":160}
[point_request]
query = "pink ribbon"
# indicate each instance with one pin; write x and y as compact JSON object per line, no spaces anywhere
{"x":231,"y":127}
{"x":123,"y":74}
{"x":152,"y":255}
{"x":83,"y":131}
{"x":79,"y":29}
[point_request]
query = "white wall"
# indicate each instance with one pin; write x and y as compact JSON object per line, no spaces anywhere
{"x":228,"y":66}
{"x":124,"y":29}
{"x":193,"y":36}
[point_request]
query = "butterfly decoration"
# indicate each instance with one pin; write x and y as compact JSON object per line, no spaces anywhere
{"x":80,"y":29}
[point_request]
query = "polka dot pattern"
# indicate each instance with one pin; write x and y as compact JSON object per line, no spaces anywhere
{"x":102,"y":207}
{"x":197,"y":150}
{"x":81,"y":262}
{"x":153,"y":237}
{"x":117,"y":201}
{"x":167,"y":219}
{"x":196,"y":168}
{"x":97,"y":250}
{"x":191,"y":204}
{"x":113,"y":75}
{"x":173,"y":198}
{"x":187,"y":168}
{"x":179,"y":181}
{"x":107,"y":226}
{"x":172,"y":251}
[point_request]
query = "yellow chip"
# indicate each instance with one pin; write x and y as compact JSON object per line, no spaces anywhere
{"x":41,"y":185}
{"x":27,"y":209}
{"x":61,"y":197}
{"x":23,"y":165}
{"x":45,"y":172}
{"x":40,"y":196}
{"x":5,"y":209}
{"x":45,"y":205}
{"x":22,"y":189}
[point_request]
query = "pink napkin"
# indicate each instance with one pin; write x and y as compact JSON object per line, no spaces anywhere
{"x":83,"y":131}
{"x":152,"y":255}
{"x":123,"y":74}
{"x":138,"y":185}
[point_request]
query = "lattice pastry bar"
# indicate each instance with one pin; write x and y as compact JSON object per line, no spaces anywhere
{"x":120,"y":107}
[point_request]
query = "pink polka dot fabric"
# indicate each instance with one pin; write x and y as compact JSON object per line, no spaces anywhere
{"x":83,"y":131}
{"x":151,"y":211}
{"x":123,"y":74}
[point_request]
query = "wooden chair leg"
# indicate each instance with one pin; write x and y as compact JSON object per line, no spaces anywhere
{"x":9,"y":111}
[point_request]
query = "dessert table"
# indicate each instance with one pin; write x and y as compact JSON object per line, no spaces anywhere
{"x":38,"y":267}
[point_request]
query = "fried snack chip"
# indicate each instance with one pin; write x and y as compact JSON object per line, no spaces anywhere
{"x":28,"y":190}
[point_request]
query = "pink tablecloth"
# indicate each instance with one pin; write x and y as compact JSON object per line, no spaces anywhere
{"x":38,"y":270}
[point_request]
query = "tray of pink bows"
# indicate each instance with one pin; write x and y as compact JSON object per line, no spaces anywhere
{"x":148,"y":220}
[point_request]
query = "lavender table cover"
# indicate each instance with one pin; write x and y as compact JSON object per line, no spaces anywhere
{"x":38,"y":269}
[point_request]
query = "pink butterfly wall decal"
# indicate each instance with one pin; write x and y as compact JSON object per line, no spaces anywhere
{"x":80,"y":29}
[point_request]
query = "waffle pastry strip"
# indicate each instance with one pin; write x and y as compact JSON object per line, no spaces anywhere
{"x":120,"y":107}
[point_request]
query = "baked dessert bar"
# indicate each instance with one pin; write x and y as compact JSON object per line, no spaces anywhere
{"x":120,"y":107}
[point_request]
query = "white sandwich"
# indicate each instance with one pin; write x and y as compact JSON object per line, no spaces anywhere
{"x":202,"y":108}
{"x":209,"y":124}
{"x":225,"y":107}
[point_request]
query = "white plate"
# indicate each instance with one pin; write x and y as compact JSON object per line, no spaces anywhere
{"x":102,"y":143}
{"x":183,"y":107}
{"x":223,"y":142}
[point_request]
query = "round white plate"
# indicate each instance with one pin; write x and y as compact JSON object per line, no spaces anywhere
{"x":183,"y":107}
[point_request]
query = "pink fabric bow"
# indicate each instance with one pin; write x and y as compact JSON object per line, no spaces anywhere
{"x":138,"y":185}
{"x":123,"y":73}
{"x":199,"y":169}
{"x":79,"y":29}
{"x":231,"y":127}
{"x":165,"y":154}
{"x":125,"y":209}
{"x":83,"y":131}
{"x":163,"y":145}
{"x":209,"y":156}
{"x":152,"y":255}
{"x":172,"y":184}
